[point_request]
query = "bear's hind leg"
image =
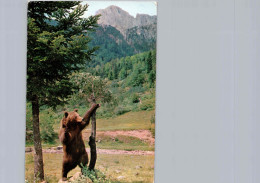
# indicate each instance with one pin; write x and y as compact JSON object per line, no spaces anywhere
{"x":66,"y":168}
{"x":83,"y":161}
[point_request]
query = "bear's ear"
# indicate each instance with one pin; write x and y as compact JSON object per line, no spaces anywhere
{"x":75,"y":110}
{"x":66,"y":114}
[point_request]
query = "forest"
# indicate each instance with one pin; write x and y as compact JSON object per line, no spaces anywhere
{"x":127,"y":81}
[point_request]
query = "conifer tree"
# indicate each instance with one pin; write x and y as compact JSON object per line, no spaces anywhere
{"x":57,"y":46}
{"x":149,"y":62}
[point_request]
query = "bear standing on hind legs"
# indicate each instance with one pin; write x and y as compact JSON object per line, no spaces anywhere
{"x":71,"y":138}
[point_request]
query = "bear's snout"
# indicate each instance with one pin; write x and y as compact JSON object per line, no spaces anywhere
{"x":80,"y":119}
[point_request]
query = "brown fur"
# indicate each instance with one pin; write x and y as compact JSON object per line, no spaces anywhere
{"x":71,"y":137}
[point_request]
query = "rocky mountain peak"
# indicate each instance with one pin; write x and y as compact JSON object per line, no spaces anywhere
{"x":144,"y":19}
{"x":116,"y":17}
{"x":122,"y":20}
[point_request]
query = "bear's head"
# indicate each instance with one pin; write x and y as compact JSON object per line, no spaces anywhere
{"x":71,"y":119}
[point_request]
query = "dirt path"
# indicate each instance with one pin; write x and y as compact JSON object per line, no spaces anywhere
{"x":58,"y":150}
{"x":144,"y":135}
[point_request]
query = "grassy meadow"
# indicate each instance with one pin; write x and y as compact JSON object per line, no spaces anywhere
{"x":140,"y":120}
{"x":122,"y":142}
{"x":129,"y":121}
{"x":117,"y":168}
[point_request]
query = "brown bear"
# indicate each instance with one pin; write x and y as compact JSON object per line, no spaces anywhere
{"x":71,"y":138}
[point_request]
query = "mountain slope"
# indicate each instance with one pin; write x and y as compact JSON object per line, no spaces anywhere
{"x":120,"y":34}
{"x":142,"y":38}
{"x":112,"y":44}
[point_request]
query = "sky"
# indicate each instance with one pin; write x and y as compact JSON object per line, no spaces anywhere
{"x":132,"y":7}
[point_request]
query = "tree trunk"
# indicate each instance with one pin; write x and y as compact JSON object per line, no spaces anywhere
{"x":93,"y":125}
{"x":92,"y":143}
{"x":38,"y":160}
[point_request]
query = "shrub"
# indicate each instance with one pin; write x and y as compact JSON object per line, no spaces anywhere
{"x":114,"y":84}
{"x":120,"y":110}
{"x":151,"y":79}
{"x":96,"y":176}
{"x":47,"y":119}
{"x":147,"y":105}
{"x":137,"y":89}
{"x":47,"y":132}
{"x":106,"y":111}
{"x":152,"y":120}
{"x":29,"y":123}
{"x":135,"y":98}
{"x":137,"y":78}
{"x":152,"y":129}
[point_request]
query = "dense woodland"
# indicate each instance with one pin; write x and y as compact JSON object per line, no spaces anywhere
{"x":135,"y":70}
{"x":129,"y":83}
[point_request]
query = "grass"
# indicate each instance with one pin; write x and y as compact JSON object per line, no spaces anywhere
{"x":122,"y":142}
{"x":52,"y":167}
{"x":128,"y":121}
{"x":117,"y":168}
{"x":152,"y":129}
{"x":131,"y":168}
{"x":46,"y":144}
